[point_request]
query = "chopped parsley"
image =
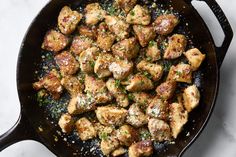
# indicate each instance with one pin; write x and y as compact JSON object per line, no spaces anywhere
{"x":92,"y":63}
{"x":103,"y":136}
{"x":152,"y":43}
{"x":130,"y":96}
{"x":117,"y":83}
{"x":132,"y":13}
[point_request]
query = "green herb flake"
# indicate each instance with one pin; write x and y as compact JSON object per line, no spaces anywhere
{"x":103,"y":136}
{"x":132,"y":13}
{"x":92,"y":63}
{"x":130,"y":96}
{"x":117,"y":83}
{"x":152,"y":43}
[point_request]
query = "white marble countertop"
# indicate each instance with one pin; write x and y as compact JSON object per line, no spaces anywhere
{"x":218,"y":138}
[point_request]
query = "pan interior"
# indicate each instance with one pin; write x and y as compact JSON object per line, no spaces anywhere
{"x":44,"y":116}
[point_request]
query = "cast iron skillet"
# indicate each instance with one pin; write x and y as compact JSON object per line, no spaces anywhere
{"x":32,"y":116}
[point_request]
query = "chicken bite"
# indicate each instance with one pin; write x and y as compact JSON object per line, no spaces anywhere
{"x":153,"y":52}
{"x":54,"y":41}
{"x":126,"y":49}
{"x":125,"y":5}
{"x":180,"y":73}
{"x":127,"y":135}
{"x":101,"y":67}
{"x":80,"y":44}
{"x":90,"y":32}
{"x":191,"y":97}
{"x":166,"y":90}
{"x":97,"y":88}
{"x":144,"y":34}
{"x":66,"y":123}
{"x":159,"y":130}
{"x":139,"y":15}
{"x":136,"y":117}
{"x":121,"y":98}
{"x":105,"y":38}
{"x":121,"y":69}
{"x":118,"y":152}
{"x":165,"y":24}
{"x":178,"y":118}
{"x":176,"y":46}
{"x":110,"y":115}
{"x":94,"y":13}
{"x":109,"y":144}
{"x":51,"y":82}
{"x":87,"y":59}
{"x":158,"y":109}
{"x":81,"y":103}
{"x":85,"y":129}
{"x":68,"y":20}
{"x":139,"y":83}
{"x":154,"y":70}
{"x":142,"y":148}
{"x":141,"y":98}
{"x":195,"y":58}
{"x":72,"y":85}
{"x":117,"y":26}
{"x":67,"y":63}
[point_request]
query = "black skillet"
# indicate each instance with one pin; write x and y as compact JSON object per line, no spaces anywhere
{"x":32,"y":117}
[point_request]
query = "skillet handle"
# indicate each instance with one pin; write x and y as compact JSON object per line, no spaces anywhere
{"x":22,"y":130}
{"x":225,"y":25}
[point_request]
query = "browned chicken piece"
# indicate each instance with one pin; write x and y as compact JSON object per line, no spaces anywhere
{"x":158,"y":109}
{"x":191,"y":97}
{"x":80,"y":44}
{"x":67,"y":63}
{"x":109,"y":144}
{"x":136,"y":117}
{"x":154,"y":70}
{"x":180,"y":73}
{"x":126,"y":49}
{"x":195,"y":58}
{"x":94,"y":13}
{"x":176,"y":46}
{"x":166,"y":90}
{"x":117,"y":26}
{"x":119,"y":151}
{"x":51,"y":82}
{"x":54,"y":41}
{"x":85,"y":129}
{"x":72,"y":85}
{"x":121,"y":98}
{"x":139,"y":83}
{"x":125,"y":5}
{"x":159,"y":130}
{"x":66,"y":123}
{"x":165,"y":24}
{"x":140,"y":149}
{"x":178,"y":118}
{"x":97,"y":88}
{"x":144,"y":34}
{"x":68,"y":20}
{"x":144,"y":134}
{"x":127,"y":135}
{"x":101,"y":67}
{"x":105,"y":38}
{"x":90,"y":32}
{"x":153,"y":52}
{"x":110,"y":115}
{"x":87,"y":59}
{"x":141,"y":98}
{"x":81,"y":103}
{"x":103,"y":131}
{"x":139,"y":15}
{"x":121,"y":69}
